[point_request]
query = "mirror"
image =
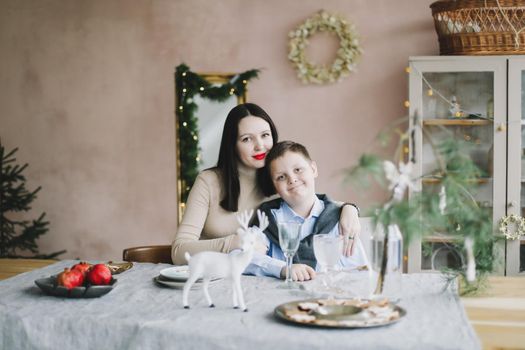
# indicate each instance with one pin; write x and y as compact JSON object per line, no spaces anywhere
{"x":211,"y":116}
{"x":202,"y":102}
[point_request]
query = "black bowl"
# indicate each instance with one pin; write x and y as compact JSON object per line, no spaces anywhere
{"x":49,"y":286}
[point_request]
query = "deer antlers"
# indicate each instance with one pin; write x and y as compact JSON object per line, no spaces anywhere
{"x":244,"y":219}
{"x":263,"y":220}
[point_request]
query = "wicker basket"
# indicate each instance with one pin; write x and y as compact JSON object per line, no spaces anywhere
{"x":480,"y":27}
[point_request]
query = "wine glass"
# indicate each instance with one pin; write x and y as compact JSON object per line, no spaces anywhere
{"x":289,"y":237}
{"x":328,"y":250}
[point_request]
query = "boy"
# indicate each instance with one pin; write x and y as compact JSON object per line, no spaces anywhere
{"x":292,"y":173}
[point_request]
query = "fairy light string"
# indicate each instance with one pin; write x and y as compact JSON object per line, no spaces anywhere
{"x":451,"y":104}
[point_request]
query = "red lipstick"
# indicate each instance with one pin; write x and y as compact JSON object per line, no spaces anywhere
{"x":260,"y":156}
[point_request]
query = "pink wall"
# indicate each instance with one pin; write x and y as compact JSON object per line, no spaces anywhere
{"x":86,"y":92}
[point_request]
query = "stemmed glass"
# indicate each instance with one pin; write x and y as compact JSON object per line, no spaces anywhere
{"x":328,"y":250}
{"x":289,"y":237}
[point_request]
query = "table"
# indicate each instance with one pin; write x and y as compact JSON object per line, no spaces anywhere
{"x":138,"y":314}
{"x":13,"y":267}
{"x":498,"y":313}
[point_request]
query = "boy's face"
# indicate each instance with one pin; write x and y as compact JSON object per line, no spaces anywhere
{"x":294,"y":177}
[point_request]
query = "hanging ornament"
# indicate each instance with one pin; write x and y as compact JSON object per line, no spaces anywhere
{"x":471,"y":261}
{"x":516,"y":221}
{"x":400,"y":179}
{"x":442,"y":200}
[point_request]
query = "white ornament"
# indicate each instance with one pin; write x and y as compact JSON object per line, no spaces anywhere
{"x":399,"y":180}
{"x":455,"y":108}
{"x":471,"y":261}
{"x":442,"y":200}
{"x":209,"y":265}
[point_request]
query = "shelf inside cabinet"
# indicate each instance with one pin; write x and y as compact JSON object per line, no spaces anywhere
{"x":439,"y":239}
{"x":457,"y":122}
{"x":436,"y":180}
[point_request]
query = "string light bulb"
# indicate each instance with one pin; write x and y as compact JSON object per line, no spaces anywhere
{"x":183,"y":74}
{"x":185,"y":124}
{"x":244,"y":82}
{"x":430,"y":92}
{"x":184,"y":90}
{"x":180,"y":108}
{"x":408,"y":69}
{"x":406,"y":104}
{"x":195,"y":137}
{"x":201,"y":88}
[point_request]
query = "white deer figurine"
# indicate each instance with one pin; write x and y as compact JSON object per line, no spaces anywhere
{"x":208,"y":265}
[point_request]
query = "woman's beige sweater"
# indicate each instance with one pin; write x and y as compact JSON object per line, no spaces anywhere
{"x":205,"y":224}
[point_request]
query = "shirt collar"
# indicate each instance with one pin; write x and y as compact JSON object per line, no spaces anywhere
{"x":317,"y":209}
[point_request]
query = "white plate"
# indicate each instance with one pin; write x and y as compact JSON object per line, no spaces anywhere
{"x":176,"y":273}
{"x":178,"y":284}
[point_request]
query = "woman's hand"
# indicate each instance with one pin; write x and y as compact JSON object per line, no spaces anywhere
{"x":349,"y":227}
{"x":300,"y":272}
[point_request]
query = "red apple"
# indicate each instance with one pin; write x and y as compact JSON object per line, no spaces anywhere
{"x":83,"y":267}
{"x":99,"y":274}
{"x":70,"y":278}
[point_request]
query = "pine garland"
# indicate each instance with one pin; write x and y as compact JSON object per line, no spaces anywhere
{"x":188,"y":84}
{"x":18,"y":235}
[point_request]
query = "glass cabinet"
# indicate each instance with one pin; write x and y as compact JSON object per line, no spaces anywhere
{"x":515,"y":258}
{"x":481,"y":101}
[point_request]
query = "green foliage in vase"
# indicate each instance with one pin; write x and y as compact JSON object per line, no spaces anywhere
{"x":446,"y":207}
{"x":18,"y":235}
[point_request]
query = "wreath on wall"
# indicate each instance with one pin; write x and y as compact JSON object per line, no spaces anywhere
{"x":346,"y":57}
{"x":187,"y":85}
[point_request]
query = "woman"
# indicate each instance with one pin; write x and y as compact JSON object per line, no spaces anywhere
{"x":234,"y":185}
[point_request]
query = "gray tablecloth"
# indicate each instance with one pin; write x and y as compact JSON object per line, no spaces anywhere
{"x":138,"y":314}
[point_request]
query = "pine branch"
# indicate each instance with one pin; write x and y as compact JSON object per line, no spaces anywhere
{"x":17,"y":235}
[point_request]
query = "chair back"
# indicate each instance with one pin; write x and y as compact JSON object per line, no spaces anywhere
{"x":152,"y":253}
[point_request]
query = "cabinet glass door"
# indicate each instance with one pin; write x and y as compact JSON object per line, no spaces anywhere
{"x":453,"y":96}
{"x":515,"y":259}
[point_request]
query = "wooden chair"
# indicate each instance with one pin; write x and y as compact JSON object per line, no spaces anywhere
{"x":151,"y":253}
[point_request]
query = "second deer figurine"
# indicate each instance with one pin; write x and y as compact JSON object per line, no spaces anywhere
{"x":211,"y":265}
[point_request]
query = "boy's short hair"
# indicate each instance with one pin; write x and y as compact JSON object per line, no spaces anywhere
{"x":278,"y":150}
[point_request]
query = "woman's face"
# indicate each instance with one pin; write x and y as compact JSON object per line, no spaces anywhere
{"x":254,"y":141}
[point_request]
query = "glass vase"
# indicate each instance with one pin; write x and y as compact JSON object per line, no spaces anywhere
{"x":386,"y":275}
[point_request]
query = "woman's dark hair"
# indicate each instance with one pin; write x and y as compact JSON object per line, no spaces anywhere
{"x":278,"y":150}
{"x":228,"y":159}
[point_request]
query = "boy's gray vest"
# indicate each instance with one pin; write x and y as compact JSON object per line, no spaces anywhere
{"x":325,"y":222}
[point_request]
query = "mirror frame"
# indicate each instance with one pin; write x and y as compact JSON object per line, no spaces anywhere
{"x":212,"y":78}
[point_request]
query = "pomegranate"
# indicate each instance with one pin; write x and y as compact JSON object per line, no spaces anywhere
{"x":99,"y":274}
{"x":83,"y":267}
{"x":70,"y":278}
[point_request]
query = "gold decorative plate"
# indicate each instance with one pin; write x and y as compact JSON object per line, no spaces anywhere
{"x":340,"y":313}
{"x":119,"y":267}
